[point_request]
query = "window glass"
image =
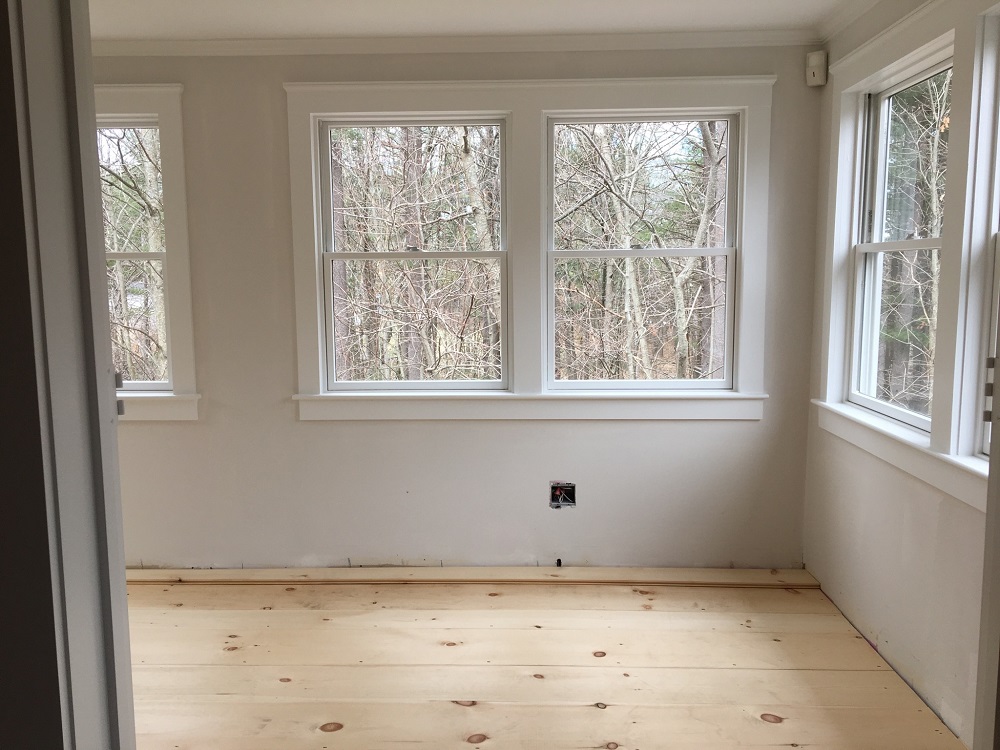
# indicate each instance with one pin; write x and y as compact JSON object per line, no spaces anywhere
{"x":415,"y":188}
{"x":637,"y":203}
{"x":916,"y":159}
{"x":907,"y":284}
{"x":411,"y":320}
{"x":896,"y":335}
{"x":640,"y":318}
{"x":132,"y":203}
{"x":431,"y":191}
{"x":625,"y":185}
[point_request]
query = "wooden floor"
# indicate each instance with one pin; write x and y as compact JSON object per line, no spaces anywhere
{"x":570,"y":659}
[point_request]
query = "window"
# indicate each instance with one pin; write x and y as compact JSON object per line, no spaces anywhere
{"x":140,"y":157}
{"x":899,"y":256}
{"x":538,"y":250}
{"x":132,"y":203}
{"x":909,"y":265}
{"x":641,"y":248}
{"x":414,"y":262}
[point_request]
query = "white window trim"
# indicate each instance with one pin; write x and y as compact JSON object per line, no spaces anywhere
{"x":526,"y":107}
{"x":161,"y":105}
{"x":949,"y":456}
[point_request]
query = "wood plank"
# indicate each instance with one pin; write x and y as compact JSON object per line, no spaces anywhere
{"x":642,"y":620}
{"x":442,"y":725}
{"x":568,"y":597}
{"x":727,"y":577}
{"x":313,"y":666}
{"x":639,"y":686}
{"x":154,"y":644}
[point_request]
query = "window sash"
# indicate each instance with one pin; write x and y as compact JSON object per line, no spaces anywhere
{"x":330,"y":254}
{"x":692,"y":384}
{"x":729,"y":251}
{"x":329,"y":361}
{"x":867,"y":324}
{"x":875,"y":154}
{"x":868,"y":277}
{"x":166,"y":385}
{"x":734,"y":160}
{"x":325,"y":166}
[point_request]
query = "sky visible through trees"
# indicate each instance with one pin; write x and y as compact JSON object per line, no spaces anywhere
{"x":636,"y":205}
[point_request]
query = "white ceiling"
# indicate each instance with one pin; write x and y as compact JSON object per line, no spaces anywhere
{"x":313,"y":19}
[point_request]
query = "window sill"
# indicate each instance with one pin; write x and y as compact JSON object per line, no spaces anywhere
{"x":962,"y":477}
{"x":690,"y":405}
{"x":158,"y":407}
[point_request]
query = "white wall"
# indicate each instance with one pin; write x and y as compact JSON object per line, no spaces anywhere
{"x":250,"y":485}
{"x":902,"y":559}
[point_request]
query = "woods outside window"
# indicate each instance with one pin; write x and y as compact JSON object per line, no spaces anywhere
{"x":414,"y":261}
{"x":899,"y":256}
{"x":141,"y":160}
{"x":531,"y":250}
{"x":642,"y":252}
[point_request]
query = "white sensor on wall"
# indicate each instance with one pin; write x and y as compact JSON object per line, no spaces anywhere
{"x":816,"y":68}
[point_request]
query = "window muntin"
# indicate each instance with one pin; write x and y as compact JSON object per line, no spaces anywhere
{"x":643,"y":227}
{"x":899,"y":256}
{"x":135,"y":247}
{"x":414,"y":262}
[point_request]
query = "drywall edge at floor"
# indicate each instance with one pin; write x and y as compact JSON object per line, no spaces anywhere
{"x":249,"y":484}
{"x":903,"y":561}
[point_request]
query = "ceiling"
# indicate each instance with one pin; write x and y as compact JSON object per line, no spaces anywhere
{"x":313,"y":19}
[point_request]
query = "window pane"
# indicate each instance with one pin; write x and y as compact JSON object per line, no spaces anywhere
{"x":907,"y":317}
{"x":630,"y":185}
{"x":138,"y":319}
{"x":410,"y":320}
{"x":426,"y":187}
{"x":132,"y":189}
{"x":917,"y":159}
{"x":640,"y":318}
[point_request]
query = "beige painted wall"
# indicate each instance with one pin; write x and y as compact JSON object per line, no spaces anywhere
{"x":250,"y":485}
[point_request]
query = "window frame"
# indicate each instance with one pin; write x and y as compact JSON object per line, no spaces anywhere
{"x":159,"y":106}
{"x":729,"y":250}
{"x":330,"y":255}
{"x":526,"y":107}
{"x":867,"y":249}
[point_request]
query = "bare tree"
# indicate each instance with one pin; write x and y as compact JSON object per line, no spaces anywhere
{"x":132,"y":192}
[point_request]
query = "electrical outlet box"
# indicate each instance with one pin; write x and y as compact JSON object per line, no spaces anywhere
{"x":562,"y":495}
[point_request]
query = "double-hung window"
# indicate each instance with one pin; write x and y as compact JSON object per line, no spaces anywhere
{"x":898,"y":257}
{"x":641,"y":253}
{"x":413,"y":264}
{"x":140,"y":158}
{"x":531,"y":250}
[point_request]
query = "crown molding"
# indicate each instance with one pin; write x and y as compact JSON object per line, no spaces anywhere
{"x":844,"y":16}
{"x":452,"y":44}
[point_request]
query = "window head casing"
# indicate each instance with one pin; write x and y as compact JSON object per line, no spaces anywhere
{"x":898,"y":257}
{"x":642,"y":250}
{"x":414,"y":260}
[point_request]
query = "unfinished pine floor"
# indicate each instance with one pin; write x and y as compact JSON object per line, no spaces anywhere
{"x":547,"y":659}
